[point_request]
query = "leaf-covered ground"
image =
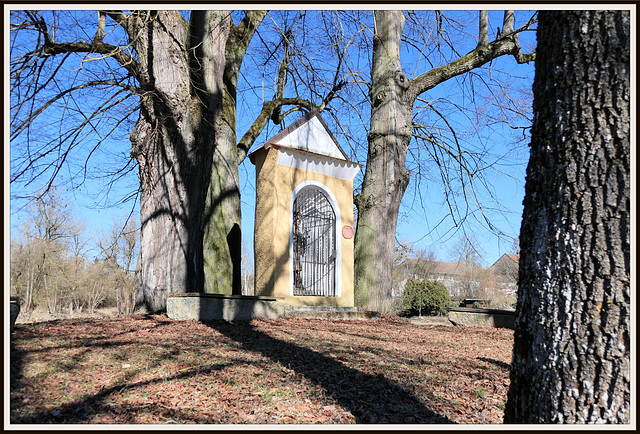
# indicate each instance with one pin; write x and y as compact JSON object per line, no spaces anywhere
{"x":151,"y":369}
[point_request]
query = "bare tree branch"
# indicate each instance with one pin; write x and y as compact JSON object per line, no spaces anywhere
{"x":507,"y":24}
{"x":102,"y":18}
{"x":18,"y":129}
{"x":483,"y":32}
{"x":474,"y":59}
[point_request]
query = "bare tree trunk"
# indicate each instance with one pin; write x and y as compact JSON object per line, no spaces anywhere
{"x":483,"y":25}
{"x":190,"y":202}
{"x":223,"y":238}
{"x":173,"y":142}
{"x":571,"y":361}
{"x":386,"y":177}
{"x":222,"y":259}
{"x":29,"y":297}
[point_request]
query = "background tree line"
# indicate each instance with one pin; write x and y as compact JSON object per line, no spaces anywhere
{"x":51,"y":265}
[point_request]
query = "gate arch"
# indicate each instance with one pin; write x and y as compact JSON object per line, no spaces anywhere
{"x":315,"y":259}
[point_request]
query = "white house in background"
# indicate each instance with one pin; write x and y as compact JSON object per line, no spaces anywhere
{"x":457,"y":277}
{"x":452,"y":275}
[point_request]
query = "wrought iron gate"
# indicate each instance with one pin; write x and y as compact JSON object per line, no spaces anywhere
{"x":314,"y":244}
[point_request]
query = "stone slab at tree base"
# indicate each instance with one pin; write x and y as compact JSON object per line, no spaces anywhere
{"x":330,"y":312}
{"x":471,"y":317}
{"x":15,"y":311}
{"x":208,"y":307}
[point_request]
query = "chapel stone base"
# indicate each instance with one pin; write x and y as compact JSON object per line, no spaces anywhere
{"x":210,"y":307}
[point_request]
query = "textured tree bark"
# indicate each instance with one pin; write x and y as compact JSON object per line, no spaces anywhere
{"x":222,"y":230}
{"x":184,"y":140}
{"x":386,"y":177}
{"x":572,"y":344}
{"x":222,"y":245}
{"x":173,"y":143}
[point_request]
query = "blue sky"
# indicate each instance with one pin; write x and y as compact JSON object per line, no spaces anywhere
{"x":423,"y":221}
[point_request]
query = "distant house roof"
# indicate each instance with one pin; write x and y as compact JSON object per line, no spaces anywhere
{"x":506,"y":260}
{"x":506,"y":267}
{"x":310,"y":134}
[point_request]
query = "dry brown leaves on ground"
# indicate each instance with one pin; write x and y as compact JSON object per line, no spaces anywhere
{"x":151,"y":369}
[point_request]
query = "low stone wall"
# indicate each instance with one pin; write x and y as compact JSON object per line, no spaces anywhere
{"x":330,"y":313}
{"x":472,"y":317}
{"x":207,"y":307}
{"x":15,"y":311}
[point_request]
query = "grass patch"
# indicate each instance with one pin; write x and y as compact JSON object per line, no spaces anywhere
{"x":480,"y":393}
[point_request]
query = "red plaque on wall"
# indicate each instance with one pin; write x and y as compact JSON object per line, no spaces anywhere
{"x":347,"y":232}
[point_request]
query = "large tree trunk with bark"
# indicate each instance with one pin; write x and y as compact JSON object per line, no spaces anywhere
{"x":173,"y":143}
{"x":386,"y":177}
{"x":185,"y":143}
{"x":222,"y":245}
{"x":186,"y":75}
{"x":572,"y":339}
{"x":222,"y":237}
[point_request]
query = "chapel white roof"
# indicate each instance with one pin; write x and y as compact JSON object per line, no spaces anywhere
{"x":310,"y":134}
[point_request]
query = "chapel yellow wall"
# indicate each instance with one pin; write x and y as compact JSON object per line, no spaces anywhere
{"x":274,"y":187}
{"x":264,"y":258}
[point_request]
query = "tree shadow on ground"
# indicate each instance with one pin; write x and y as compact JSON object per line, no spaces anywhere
{"x":370,"y":398}
{"x":498,"y":363}
{"x":82,"y":411}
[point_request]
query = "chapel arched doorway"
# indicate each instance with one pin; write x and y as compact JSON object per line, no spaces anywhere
{"x":313,"y":243}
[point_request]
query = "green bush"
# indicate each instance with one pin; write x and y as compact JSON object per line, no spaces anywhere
{"x":425,"y":297}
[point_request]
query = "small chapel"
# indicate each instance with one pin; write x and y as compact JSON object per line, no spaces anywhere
{"x":303,"y":238}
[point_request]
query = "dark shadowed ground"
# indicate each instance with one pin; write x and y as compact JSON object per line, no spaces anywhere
{"x":150,"y":369}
